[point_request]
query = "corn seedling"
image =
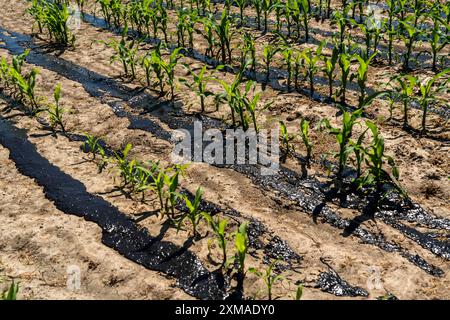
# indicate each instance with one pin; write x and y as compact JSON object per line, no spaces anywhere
{"x":125,"y":52}
{"x":54,"y":17}
{"x":208,"y":27}
{"x":199,"y":85}
{"x":269,"y":277}
{"x":304,"y":134}
{"x":287,"y":146}
{"x":92,"y":145}
{"x":231,"y":94}
{"x":405,"y":91}
{"x":361,"y":76}
{"x":329,"y":67}
{"x":55,"y":111}
{"x":409,"y":39}
{"x":287,"y":55}
{"x":344,"y":63}
{"x":438,"y":38}
{"x":194,"y":214}
{"x":219,"y":228}
{"x":306,"y":9}
{"x":343,"y":136}
{"x":37,"y":12}
{"x":241,"y":245}
{"x":26,"y":89}
{"x":224,"y":32}
{"x":165,"y":183}
{"x":249,"y":51}
{"x":11,"y":293}
{"x":269,"y":53}
{"x":311,"y":59}
{"x":428,"y":94}
{"x":169,"y":69}
{"x":267,"y":7}
{"x":376,"y":175}
{"x":241,"y":4}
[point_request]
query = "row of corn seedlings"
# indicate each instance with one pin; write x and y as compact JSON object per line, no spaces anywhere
{"x":53,"y":17}
{"x":406,"y":90}
{"x":304,"y":64}
{"x":138,"y":177}
{"x":22,"y":87}
{"x":369,"y":159}
{"x":426,"y":23}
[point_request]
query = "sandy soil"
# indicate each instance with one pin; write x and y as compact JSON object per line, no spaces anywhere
{"x":34,"y":249}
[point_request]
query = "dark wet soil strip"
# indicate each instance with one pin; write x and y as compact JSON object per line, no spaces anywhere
{"x":286,"y":183}
{"x":331,"y":282}
{"x":119,"y":232}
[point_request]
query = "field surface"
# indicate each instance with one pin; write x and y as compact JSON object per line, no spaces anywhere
{"x":62,"y":217}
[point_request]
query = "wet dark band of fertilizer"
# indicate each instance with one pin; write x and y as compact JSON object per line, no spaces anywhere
{"x":119,"y":232}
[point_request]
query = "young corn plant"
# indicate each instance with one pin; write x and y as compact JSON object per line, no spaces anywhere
{"x":329,"y":68}
{"x":306,"y":9}
{"x":26,"y":90}
{"x":208,"y":27}
{"x":225,"y":33}
{"x":269,"y":277}
{"x":125,"y":52}
{"x":37,"y":12}
{"x":249,"y":51}
{"x":169,"y":69}
{"x":428,"y":94}
{"x":359,"y":152}
{"x":241,"y":245}
{"x":409,"y":39}
{"x":156,"y":62}
{"x":194,"y":214}
{"x":287,"y":146}
{"x":267,"y":8}
{"x":165,"y":183}
{"x":376,"y":175}
{"x":343,"y":136}
{"x":344,"y":64}
{"x":92,"y":145}
{"x":251,"y":104}
{"x":269,"y":53}
{"x":405,"y":91}
{"x":56,"y":112}
{"x":257,"y":4}
{"x":54,"y":18}
{"x":231,"y":94}
{"x":200,"y":81}
{"x":11,"y":293}
{"x":341,"y":20}
{"x":438,"y":38}
{"x":391,"y":31}
{"x":361,"y":75}
{"x":241,"y":4}
{"x":219,"y":227}
{"x":287,"y":56}
{"x":311,"y":59}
